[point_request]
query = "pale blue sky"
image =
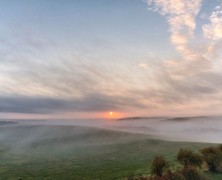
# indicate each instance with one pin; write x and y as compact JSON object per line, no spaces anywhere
{"x":85,"y":23}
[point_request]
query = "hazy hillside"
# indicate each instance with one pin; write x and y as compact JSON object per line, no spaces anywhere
{"x":55,"y":152}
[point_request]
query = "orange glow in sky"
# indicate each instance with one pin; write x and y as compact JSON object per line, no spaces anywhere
{"x":112,"y":115}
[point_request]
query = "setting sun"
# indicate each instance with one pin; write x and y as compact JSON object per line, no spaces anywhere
{"x":113,"y":115}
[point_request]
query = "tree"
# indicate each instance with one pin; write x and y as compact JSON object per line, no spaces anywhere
{"x":187,"y":157}
{"x":159,"y":165}
{"x":213,"y":157}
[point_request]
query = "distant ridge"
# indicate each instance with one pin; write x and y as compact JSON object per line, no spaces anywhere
{"x":137,"y":118}
{"x":165,"y":118}
{"x":185,"y":118}
{"x":8,"y":123}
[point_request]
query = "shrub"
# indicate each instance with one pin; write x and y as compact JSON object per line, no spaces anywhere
{"x":220,"y":147}
{"x":190,"y":173}
{"x":213,"y":157}
{"x":159,"y":165}
{"x":177,"y":175}
{"x":187,"y":157}
{"x":140,"y":178}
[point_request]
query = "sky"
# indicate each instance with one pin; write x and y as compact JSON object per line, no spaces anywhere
{"x":84,"y":58}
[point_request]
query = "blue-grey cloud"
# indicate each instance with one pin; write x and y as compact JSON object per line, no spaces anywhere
{"x":44,"y":105}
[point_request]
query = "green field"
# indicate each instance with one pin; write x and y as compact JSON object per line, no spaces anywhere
{"x":71,"y":152}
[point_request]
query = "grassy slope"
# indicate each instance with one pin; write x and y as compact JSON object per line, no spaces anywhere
{"x":67,"y":152}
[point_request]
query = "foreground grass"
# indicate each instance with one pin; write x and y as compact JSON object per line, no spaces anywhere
{"x":68,"y":152}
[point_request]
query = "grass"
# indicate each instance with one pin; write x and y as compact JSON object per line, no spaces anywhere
{"x":69,"y":152}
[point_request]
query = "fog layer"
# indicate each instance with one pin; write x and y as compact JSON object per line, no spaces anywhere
{"x":192,"y":129}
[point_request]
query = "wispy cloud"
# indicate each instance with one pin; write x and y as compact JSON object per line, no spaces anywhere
{"x":213,"y":30}
{"x":180,"y":16}
{"x":191,"y":78}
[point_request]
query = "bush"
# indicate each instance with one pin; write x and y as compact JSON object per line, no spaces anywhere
{"x":140,"y":178}
{"x":174,"y":175}
{"x":158,"y":166}
{"x":220,"y":147}
{"x":187,"y":157}
{"x":190,"y":173}
{"x":213,"y":157}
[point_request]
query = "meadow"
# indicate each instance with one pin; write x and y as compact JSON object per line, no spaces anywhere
{"x":74,"y":152}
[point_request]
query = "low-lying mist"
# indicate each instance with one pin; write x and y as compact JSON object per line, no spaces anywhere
{"x":77,"y":148}
{"x":191,"y":129}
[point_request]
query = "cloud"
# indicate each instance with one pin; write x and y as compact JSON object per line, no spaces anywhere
{"x":25,"y":104}
{"x":190,"y":80}
{"x":180,"y":16}
{"x":191,"y":94}
{"x":213,"y":30}
{"x":197,"y":55}
{"x":44,"y":105}
{"x":143,"y":65}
